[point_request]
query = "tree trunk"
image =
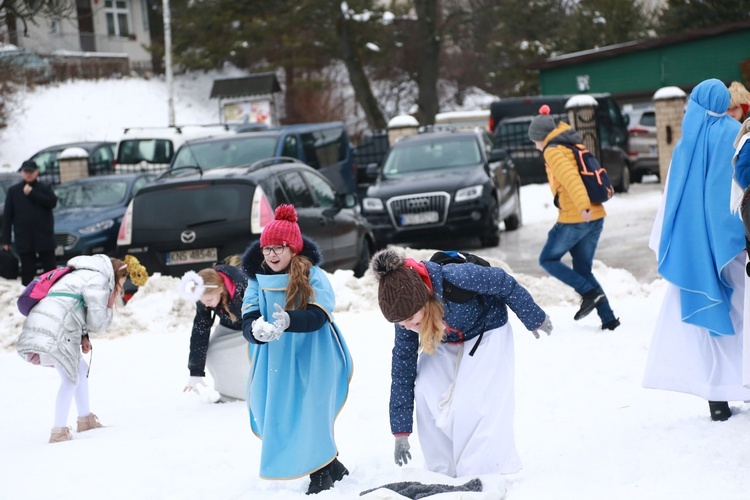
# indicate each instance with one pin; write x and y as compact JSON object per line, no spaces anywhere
{"x":428,"y":70}
{"x":357,"y":76}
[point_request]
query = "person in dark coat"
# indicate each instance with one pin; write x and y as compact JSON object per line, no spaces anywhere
{"x":28,"y":211}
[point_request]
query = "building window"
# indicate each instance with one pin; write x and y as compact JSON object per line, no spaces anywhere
{"x":118,"y":17}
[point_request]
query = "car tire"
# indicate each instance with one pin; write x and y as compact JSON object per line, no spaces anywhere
{"x":492,"y":237}
{"x":624,"y":184}
{"x":363,"y":262}
{"x":515,"y":220}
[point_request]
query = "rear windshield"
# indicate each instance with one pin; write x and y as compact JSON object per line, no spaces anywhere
{"x":440,"y":153}
{"x":648,"y":119}
{"x":134,"y":151}
{"x":242,"y":150}
{"x":192,"y":206}
{"x":91,"y":194}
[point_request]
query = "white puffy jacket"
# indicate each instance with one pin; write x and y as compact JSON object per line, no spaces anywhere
{"x":55,"y":325}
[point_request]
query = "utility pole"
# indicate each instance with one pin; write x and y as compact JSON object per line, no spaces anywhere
{"x":168,"y":60}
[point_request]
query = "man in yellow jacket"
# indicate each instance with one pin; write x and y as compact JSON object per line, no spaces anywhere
{"x":579,"y":223}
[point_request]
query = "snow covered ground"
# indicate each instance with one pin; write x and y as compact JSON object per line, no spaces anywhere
{"x":585,"y":428}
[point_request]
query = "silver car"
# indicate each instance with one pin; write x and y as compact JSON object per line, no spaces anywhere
{"x":643,"y":152}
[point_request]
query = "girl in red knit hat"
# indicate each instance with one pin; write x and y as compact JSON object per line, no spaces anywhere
{"x":300,"y":368}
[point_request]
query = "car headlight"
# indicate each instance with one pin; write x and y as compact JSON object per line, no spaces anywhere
{"x":97,"y":226}
{"x":372,"y":204}
{"x":469,"y":193}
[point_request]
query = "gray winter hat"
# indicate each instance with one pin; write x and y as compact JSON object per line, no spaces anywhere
{"x":541,"y":125}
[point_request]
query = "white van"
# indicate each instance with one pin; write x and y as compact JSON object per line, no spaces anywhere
{"x":150,"y":149}
{"x":462,"y":120}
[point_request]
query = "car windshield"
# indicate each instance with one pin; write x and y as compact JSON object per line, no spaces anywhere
{"x":225,"y":153}
{"x":91,"y":194}
{"x":440,"y":153}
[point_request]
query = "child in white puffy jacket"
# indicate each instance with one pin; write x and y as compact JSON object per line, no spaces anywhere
{"x":57,"y":329}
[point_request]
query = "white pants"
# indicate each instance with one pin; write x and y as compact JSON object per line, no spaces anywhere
{"x":228,"y":362}
{"x":469,"y":431}
{"x":68,"y":390}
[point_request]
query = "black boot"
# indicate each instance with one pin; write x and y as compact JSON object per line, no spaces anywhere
{"x":611,"y":325}
{"x":589,"y":300}
{"x":337,"y":471}
{"x":719,"y":411}
{"x":320,"y":480}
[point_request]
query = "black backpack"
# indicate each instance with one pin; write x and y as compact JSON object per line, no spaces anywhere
{"x":594,"y":177}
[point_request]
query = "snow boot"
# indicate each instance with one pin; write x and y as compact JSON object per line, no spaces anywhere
{"x":337,"y":470}
{"x":719,"y":411}
{"x":589,"y":301}
{"x":60,"y":434}
{"x":320,"y":480}
{"x":611,"y":325}
{"x":88,"y":423}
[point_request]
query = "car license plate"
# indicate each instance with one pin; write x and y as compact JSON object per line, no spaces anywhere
{"x":421,"y":218}
{"x":179,"y":257}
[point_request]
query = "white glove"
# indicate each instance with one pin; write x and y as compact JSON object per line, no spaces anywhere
{"x":546,"y":327}
{"x":264,"y":331}
{"x":193,"y":383}
{"x":281,"y":317}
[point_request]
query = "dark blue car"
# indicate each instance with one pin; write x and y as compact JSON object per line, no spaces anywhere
{"x":89,"y":212}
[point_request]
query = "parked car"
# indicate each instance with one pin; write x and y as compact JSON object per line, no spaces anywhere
{"x":101,"y":155}
{"x":89,"y":212}
{"x":322,"y":146}
{"x":32,"y":66}
{"x":444,"y":184}
{"x":468,"y":119}
{"x":190,"y":218}
{"x":150,"y":149}
{"x":509,"y":116}
{"x":644,"y":150}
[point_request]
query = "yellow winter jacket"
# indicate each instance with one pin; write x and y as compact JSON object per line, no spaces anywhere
{"x":565,"y":181}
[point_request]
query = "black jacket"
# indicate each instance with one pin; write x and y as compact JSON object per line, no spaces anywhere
{"x":31,"y":218}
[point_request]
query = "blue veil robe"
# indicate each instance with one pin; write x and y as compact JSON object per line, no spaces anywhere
{"x":297,"y":385}
{"x":699,"y":235}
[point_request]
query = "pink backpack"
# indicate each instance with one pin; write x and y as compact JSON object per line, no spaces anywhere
{"x":39,"y":288}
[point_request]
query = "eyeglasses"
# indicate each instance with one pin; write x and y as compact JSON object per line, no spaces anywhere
{"x":277,"y":250}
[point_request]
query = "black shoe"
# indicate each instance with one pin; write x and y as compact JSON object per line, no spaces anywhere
{"x":719,"y":411}
{"x":611,"y":325}
{"x":337,"y":471}
{"x":589,"y":300}
{"x":320,"y":480}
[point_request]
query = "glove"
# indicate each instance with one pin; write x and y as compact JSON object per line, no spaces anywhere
{"x":281,"y":317}
{"x":264,"y":331}
{"x":402,"y":455}
{"x":193,"y":383}
{"x":546,"y":327}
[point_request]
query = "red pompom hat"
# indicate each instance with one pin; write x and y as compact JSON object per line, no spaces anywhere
{"x":283,"y":230}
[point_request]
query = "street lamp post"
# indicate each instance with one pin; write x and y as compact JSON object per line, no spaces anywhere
{"x":168,"y":60}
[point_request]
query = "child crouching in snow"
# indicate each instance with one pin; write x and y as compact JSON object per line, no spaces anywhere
{"x":56,"y":331}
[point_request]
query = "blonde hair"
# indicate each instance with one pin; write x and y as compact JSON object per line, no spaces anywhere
{"x":432,"y":329}
{"x":299,"y":292}
{"x":739,"y":94}
{"x":211,"y":277}
{"x":121,"y":271}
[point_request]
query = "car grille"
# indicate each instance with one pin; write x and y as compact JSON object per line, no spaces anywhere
{"x":66,"y":240}
{"x":402,"y":207}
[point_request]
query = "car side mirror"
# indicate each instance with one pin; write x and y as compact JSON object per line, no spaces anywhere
{"x":626,"y":119}
{"x":348,"y":200}
{"x":372,"y":171}
{"x":498,"y":155}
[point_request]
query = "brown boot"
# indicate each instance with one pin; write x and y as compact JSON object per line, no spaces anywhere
{"x":60,"y":434}
{"x":88,"y":423}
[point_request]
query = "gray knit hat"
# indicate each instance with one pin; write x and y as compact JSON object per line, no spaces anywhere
{"x":541,"y":125}
{"x":401,"y":292}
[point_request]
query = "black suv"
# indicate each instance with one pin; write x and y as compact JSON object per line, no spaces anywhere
{"x":190,"y":218}
{"x":444,"y":185}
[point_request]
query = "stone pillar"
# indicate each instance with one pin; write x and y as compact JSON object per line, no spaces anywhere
{"x":582,"y":117}
{"x":400,"y":126}
{"x":669,"y":108}
{"x":74,"y":164}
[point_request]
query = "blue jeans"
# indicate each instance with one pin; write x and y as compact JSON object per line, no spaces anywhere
{"x":580,"y":241}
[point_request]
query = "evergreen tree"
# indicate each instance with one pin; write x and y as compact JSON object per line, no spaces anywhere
{"x":680,"y":16}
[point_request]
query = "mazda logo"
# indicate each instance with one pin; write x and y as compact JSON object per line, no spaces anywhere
{"x":187,"y":236}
